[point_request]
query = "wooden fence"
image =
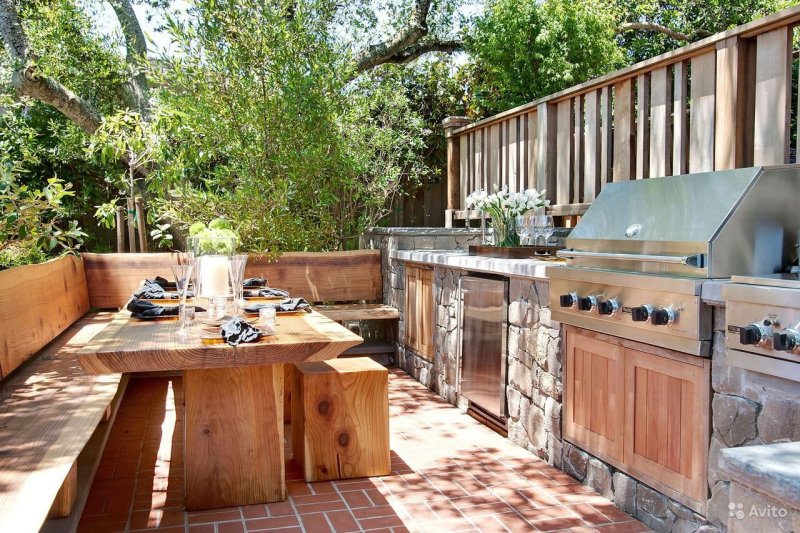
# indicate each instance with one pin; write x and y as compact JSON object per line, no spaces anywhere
{"x":720,"y":103}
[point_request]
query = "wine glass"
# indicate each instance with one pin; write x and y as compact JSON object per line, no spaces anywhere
{"x":522,"y":231}
{"x":536,"y":228}
{"x":183,"y":273}
{"x":547,"y":228}
{"x":236,"y":266}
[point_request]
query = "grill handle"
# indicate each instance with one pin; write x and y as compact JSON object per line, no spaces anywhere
{"x":695,"y":260}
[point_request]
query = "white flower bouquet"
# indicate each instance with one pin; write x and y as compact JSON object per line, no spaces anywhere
{"x":504,"y":207}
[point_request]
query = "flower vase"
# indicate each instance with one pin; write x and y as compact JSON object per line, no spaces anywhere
{"x":505,"y":232}
{"x":212,"y":257}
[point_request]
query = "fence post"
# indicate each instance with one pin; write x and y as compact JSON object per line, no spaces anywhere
{"x":546,"y":130}
{"x":120,"y":229}
{"x":734,"y":133}
{"x":453,"y":165}
{"x":140,"y":221}
{"x":131,"y":228}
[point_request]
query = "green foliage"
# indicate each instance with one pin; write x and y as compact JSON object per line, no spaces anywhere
{"x":523,"y":49}
{"x":31,"y":220}
{"x":162,"y":236}
{"x":694,"y":18}
{"x":37,"y":140}
{"x":218,"y":237}
{"x":273,"y":135}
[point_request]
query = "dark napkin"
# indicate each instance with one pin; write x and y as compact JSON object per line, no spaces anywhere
{"x":286,"y":306}
{"x":268,"y":292}
{"x":254,"y":283}
{"x":142,"y":309}
{"x":236,"y":330}
{"x":163,"y":283}
{"x":151,"y":290}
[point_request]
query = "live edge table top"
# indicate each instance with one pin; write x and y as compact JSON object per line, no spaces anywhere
{"x":129,"y":345}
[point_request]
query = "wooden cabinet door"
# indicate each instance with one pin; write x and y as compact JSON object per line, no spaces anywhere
{"x":667,"y":420}
{"x":593,"y":402}
{"x":425,"y":312}
{"x":419,"y":318}
{"x":410,"y":314}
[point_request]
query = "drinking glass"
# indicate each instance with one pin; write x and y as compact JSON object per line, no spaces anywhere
{"x":536,"y":229}
{"x":521,"y":229}
{"x":183,"y":273}
{"x":547,"y":228}
{"x":236,"y":266}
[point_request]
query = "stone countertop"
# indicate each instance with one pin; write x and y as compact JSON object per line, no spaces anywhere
{"x":771,"y":469}
{"x":521,"y":268}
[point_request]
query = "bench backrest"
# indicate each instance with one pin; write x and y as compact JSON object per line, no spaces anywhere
{"x":37,"y":303}
{"x":316,"y":276}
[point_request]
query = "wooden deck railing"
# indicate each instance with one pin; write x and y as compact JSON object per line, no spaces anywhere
{"x":720,"y":103}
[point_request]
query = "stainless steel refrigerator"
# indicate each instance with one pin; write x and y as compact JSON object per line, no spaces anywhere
{"x":484,"y":334}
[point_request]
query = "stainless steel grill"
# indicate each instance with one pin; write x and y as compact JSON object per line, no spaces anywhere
{"x":710,"y":225}
{"x":763,"y":324}
{"x":637,"y":259}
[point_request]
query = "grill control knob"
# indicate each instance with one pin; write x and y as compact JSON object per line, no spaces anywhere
{"x":568,"y":300}
{"x":641,"y":313}
{"x":755,"y":334}
{"x":587,"y":303}
{"x":786,"y":340}
{"x":608,"y":307}
{"x":663,"y":317}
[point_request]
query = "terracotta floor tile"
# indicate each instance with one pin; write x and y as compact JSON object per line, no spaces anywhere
{"x":230,"y":527}
{"x":555,"y":524}
{"x":449,"y":474}
{"x":343,"y":521}
{"x":280,"y":509}
{"x":272,"y":523}
{"x":316,"y":523}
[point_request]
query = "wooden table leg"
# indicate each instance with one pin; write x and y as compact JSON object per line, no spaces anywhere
{"x":234,"y":436}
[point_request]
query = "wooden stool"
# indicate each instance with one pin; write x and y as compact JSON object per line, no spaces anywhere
{"x":340,"y":419}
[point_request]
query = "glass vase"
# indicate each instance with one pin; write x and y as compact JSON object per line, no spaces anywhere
{"x":505,"y":231}
{"x":213,"y":278}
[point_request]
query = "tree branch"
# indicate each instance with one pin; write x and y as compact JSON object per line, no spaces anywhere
{"x":29,"y":81}
{"x":413,"y":52}
{"x":410,"y":34}
{"x":137,"y":93}
{"x":657,"y":28}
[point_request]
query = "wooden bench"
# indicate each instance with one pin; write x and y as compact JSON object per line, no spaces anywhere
{"x":340,"y":419}
{"x":54,"y":418}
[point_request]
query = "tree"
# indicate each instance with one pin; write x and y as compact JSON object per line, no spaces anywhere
{"x":652,"y":27}
{"x":49,"y":78}
{"x":522,"y":50}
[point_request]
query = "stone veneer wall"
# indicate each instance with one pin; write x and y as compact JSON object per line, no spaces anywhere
{"x":747,"y":408}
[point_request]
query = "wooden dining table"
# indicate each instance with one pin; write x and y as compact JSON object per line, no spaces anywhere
{"x":234,"y":445}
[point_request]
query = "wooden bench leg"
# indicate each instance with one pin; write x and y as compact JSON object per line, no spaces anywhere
{"x":65,"y":499}
{"x":234,"y":436}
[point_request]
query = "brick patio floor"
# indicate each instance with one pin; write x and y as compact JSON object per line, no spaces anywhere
{"x":449,"y":474}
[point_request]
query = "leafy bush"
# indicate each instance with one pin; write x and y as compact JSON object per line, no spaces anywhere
{"x":31,"y":220}
{"x":272,"y":133}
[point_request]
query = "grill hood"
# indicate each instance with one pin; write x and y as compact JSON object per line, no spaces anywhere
{"x":707,"y":225}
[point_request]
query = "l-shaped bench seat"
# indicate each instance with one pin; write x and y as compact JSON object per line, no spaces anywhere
{"x":54,"y":418}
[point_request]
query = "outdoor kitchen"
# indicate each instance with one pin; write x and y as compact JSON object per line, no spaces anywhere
{"x":655,"y":358}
